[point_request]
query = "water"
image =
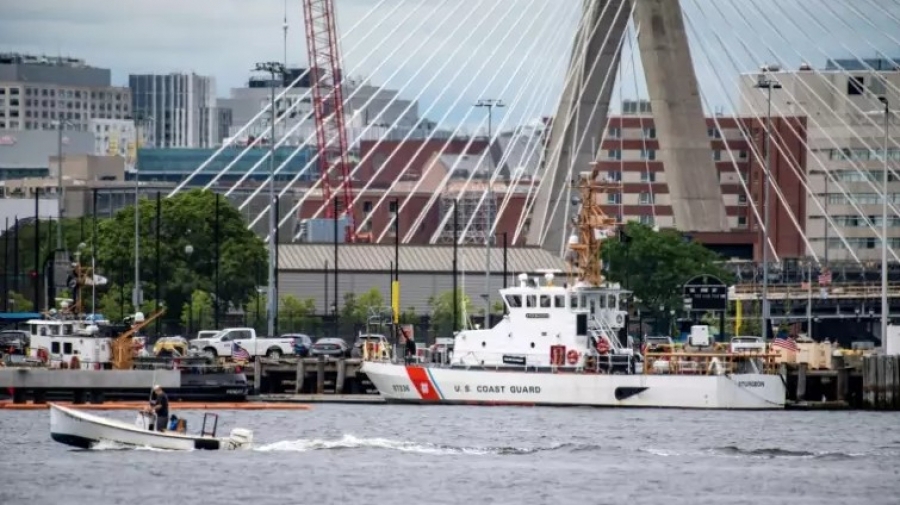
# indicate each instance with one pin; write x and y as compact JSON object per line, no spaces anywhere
{"x":476,"y":455}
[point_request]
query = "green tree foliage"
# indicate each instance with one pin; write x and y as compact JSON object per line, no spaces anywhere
{"x":186,"y":219}
{"x":656,"y":264}
{"x":442,"y":312}
{"x":357,"y":309}
{"x":198,"y":314}
{"x":111,"y":303}
{"x":19,"y":303}
{"x":297,"y":316}
{"x":75,"y":231}
{"x":409,"y":316}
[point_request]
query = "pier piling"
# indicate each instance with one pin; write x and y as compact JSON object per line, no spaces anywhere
{"x":801,"y":382}
{"x":320,"y":375}
{"x":301,"y":374}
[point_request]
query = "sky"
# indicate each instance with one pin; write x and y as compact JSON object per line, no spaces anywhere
{"x":445,"y":53}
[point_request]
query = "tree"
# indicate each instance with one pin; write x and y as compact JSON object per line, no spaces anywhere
{"x":656,"y":264}
{"x":255,"y":311}
{"x":114,"y":304}
{"x":357,"y":309}
{"x":296,"y":315}
{"x":442,"y":312}
{"x":19,"y":303}
{"x":198,"y":313}
{"x":187,"y":219}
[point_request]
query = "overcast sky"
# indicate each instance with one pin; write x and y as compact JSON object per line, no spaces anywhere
{"x":446,"y":53}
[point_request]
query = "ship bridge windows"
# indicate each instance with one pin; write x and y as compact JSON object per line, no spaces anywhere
{"x":545,"y":301}
{"x":559,"y":301}
{"x":573,"y":301}
{"x":531,"y":301}
{"x":514,"y":301}
{"x":67,"y":347}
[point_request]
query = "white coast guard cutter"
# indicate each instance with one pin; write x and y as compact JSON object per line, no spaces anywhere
{"x":558,"y":345}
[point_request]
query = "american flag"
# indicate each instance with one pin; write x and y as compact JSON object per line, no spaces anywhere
{"x":786,"y":343}
{"x":238,"y":353}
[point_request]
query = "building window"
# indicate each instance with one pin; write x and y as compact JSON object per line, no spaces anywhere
{"x":613,"y":198}
{"x":367,"y":206}
{"x":648,"y":154}
{"x":649,"y":133}
{"x":613,"y":176}
{"x":742,"y":155}
{"x":856,"y":85}
{"x":742,"y":221}
{"x":648,"y":176}
{"x":614,"y":132}
{"x":647,"y":220}
{"x":646,"y":199}
{"x":717,"y":155}
{"x":392,"y":206}
{"x":714,"y":133}
{"x":614,"y":154}
{"x":742,"y":199}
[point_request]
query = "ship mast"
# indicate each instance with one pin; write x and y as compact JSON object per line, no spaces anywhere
{"x":591,"y":226}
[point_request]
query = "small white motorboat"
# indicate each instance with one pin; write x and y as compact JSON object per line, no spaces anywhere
{"x":81,"y":429}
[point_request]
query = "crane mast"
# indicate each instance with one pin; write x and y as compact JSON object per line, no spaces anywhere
{"x":324,"y":57}
{"x":591,"y":226}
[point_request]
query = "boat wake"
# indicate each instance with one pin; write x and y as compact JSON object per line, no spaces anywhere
{"x":106,"y":445}
{"x":760,"y":453}
{"x":352,"y":442}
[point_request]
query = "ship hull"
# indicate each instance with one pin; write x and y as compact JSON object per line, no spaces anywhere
{"x":436,"y":385}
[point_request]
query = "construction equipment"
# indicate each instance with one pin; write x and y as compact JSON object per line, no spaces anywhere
{"x":123,"y":346}
{"x":324,"y":56}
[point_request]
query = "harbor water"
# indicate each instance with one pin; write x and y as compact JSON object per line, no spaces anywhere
{"x":375,"y":454}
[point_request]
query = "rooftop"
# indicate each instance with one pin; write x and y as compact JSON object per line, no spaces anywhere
{"x":413,"y":258}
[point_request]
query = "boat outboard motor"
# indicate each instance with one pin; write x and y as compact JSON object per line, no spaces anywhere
{"x":241,"y":437}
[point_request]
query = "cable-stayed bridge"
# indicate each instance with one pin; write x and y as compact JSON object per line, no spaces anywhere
{"x":672,"y":99}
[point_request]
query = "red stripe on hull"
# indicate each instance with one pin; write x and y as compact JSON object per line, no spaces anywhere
{"x":423,"y":385}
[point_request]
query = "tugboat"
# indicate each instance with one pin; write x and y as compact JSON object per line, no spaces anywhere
{"x":67,"y":338}
{"x":560,"y":345}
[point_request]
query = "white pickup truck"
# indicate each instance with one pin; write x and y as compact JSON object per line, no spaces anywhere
{"x":748,"y":344}
{"x":222,"y":344}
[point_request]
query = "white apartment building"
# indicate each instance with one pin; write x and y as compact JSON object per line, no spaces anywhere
{"x":845,"y":156}
{"x":179,"y":109}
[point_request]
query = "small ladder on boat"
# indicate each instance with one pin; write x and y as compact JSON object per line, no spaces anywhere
{"x":211,"y":419}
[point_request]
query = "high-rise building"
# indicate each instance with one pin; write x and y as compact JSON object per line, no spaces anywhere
{"x":180,"y":108}
{"x":36,"y":91}
{"x":844,"y":151}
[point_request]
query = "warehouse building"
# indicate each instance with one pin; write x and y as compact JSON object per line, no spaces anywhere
{"x":307,"y":271}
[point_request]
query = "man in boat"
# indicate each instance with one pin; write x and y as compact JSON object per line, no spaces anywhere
{"x":159,"y":404}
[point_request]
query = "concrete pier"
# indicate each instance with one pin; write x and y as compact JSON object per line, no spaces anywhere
{"x":881,"y":382}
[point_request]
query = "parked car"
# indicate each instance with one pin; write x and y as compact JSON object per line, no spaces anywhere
{"x":329,"y":346}
{"x":13,"y":342}
{"x":373,"y":338}
{"x":223,"y":344}
{"x":170,"y":347}
{"x":302,"y":343}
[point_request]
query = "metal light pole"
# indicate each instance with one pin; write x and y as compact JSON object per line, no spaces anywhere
{"x":60,"y":196}
{"x":768,"y":85}
{"x":274,"y":69}
{"x":490,"y":103}
{"x":884,"y":225}
{"x":136,"y":292}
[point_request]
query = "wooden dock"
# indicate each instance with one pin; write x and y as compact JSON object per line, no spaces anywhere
{"x":316,"y":376}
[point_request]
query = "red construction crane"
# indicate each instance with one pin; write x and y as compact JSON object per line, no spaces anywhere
{"x":328,"y":107}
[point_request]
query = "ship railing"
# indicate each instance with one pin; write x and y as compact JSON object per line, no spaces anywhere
{"x":709,"y":363}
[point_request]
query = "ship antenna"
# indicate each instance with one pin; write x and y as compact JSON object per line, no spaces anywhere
{"x":590,"y":226}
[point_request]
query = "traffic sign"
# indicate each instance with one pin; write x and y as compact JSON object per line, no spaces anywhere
{"x":705,"y":293}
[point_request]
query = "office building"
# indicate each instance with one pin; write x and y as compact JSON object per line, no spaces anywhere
{"x":845,"y":132}
{"x":179,"y":109}
{"x":35,"y":91}
{"x":26,"y":153}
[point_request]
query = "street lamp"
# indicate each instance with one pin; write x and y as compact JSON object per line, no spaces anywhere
{"x":884,"y":214}
{"x":188,"y":250}
{"x":767,"y":84}
{"x":275,"y":69}
{"x":59,"y":181}
{"x":884,"y":220}
{"x":137,"y":294}
{"x":490,"y":103}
